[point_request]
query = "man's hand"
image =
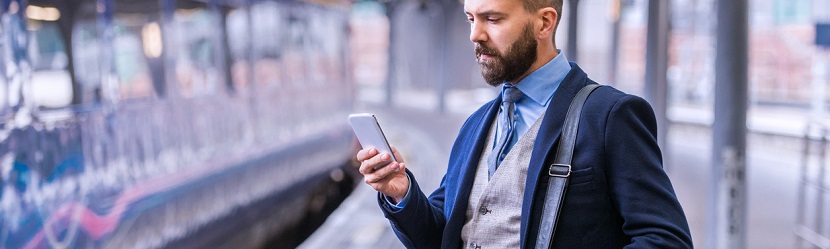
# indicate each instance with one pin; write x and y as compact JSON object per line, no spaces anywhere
{"x":391,"y":179}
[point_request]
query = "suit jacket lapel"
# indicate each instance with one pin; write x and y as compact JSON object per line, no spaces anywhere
{"x":547,"y":137}
{"x":474,"y":144}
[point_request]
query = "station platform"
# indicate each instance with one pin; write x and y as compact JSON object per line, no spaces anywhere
{"x":425,"y":137}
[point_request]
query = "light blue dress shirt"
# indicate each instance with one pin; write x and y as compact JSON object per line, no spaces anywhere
{"x":538,"y":88}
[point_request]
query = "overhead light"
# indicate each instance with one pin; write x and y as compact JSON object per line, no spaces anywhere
{"x":151,"y":40}
{"x":50,"y":14}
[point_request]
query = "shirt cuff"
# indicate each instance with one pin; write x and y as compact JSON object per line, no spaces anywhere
{"x":400,"y":205}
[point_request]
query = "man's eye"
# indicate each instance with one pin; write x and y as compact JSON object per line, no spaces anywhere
{"x":469,"y":20}
{"x":492,"y":20}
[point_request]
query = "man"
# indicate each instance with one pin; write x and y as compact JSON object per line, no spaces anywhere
{"x":494,"y":188}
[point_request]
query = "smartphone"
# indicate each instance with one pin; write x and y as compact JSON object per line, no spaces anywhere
{"x":368,"y":132}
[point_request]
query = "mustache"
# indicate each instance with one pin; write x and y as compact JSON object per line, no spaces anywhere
{"x":483,"y":49}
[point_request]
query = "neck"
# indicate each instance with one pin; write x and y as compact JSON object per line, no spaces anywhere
{"x":544,"y":55}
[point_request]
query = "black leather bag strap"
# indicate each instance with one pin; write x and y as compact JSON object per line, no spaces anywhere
{"x":560,"y":170}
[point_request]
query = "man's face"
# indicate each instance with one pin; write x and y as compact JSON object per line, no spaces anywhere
{"x":510,"y":65}
{"x":505,"y":46}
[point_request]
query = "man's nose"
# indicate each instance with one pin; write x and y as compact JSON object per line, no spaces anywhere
{"x":477,"y":32}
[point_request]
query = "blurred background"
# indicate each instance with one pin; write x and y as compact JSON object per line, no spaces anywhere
{"x":192,"y":124}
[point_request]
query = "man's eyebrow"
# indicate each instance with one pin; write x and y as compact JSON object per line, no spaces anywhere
{"x":487,"y":13}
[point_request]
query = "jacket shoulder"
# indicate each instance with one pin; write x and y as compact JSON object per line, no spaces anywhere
{"x":608,"y":98}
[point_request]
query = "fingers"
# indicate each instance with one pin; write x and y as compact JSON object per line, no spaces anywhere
{"x":364,"y":154}
{"x":370,"y":165}
{"x":383,"y":172}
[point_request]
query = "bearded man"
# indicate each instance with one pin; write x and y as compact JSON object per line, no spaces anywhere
{"x":494,"y":190}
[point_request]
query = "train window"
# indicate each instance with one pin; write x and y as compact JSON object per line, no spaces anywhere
{"x":324,"y":46}
{"x":196,"y":69}
{"x":86,"y":56}
{"x":137,"y":49}
{"x":3,"y":93}
{"x":51,"y":82}
{"x":237,"y":28}
{"x":268,"y":42}
{"x":14,"y":44}
{"x":4,"y":87}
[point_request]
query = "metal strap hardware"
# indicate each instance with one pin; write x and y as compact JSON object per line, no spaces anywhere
{"x":560,"y":170}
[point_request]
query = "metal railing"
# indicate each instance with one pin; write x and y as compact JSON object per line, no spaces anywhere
{"x":812,"y":229}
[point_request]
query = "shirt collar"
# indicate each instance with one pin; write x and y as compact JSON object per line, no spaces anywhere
{"x":540,"y":84}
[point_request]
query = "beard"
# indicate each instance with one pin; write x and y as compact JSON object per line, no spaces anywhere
{"x":510,"y":66}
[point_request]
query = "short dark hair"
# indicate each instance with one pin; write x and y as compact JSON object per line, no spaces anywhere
{"x":534,"y":5}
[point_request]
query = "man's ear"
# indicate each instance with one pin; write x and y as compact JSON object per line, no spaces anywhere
{"x":548,"y":17}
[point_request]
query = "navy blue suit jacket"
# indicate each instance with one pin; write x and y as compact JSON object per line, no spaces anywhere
{"x":618,"y":195}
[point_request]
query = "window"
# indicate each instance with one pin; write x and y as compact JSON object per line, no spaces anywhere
{"x":71,"y":66}
{"x":132,"y":35}
{"x":51,"y":82}
{"x":137,"y":48}
{"x":4,"y":93}
{"x":237,"y":28}
{"x":197,"y":72}
{"x":87,"y":60}
{"x":13,"y":43}
{"x":268,"y":42}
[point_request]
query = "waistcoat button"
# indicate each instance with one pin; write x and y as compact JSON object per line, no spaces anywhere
{"x":483,"y":210}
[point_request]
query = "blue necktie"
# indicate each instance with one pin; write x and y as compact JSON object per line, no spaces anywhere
{"x":506,"y":122}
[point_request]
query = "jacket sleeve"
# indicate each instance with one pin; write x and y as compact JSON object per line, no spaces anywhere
{"x":639,"y":187}
{"x":420,"y":223}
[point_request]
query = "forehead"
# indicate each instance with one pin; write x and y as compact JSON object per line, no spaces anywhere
{"x":492,"y":6}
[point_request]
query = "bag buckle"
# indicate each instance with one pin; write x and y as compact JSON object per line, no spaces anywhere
{"x":560,"y":170}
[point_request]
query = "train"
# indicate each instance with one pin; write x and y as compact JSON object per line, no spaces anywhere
{"x":172,"y":123}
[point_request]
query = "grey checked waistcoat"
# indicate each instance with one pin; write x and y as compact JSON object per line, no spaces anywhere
{"x":494,"y":211}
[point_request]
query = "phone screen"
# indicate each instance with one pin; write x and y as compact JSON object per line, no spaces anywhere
{"x":368,"y":132}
